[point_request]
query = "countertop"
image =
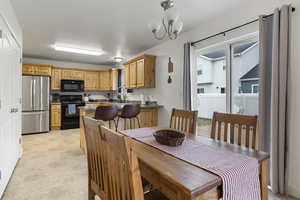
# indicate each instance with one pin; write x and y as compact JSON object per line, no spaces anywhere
{"x":120,"y":106}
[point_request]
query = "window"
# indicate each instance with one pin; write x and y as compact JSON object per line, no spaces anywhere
{"x":254,"y":88}
{"x":230,"y":80}
{"x":200,"y":90}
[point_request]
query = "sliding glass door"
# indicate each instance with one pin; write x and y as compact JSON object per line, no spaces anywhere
{"x":227,"y":80}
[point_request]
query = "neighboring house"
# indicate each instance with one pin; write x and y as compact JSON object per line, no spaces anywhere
{"x":249,"y":82}
{"x":211,"y":69}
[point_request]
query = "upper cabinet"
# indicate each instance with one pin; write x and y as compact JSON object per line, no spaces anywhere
{"x":56,"y":78}
{"x":108,"y":80}
{"x":91,"y":80}
{"x":140,"y":72}
{"x":94,"y":80}
{"x":36,"y":69}
{"x":72,"y":74}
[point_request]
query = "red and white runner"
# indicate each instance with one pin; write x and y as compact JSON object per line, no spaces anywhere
{"x":239,"y":173}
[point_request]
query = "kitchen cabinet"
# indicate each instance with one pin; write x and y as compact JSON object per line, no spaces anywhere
{"x":127,"y":76}
{"x":91,"y":80}
{"x":132,"y":74}
{"x":114,"y":79}
{"x":28,"y":69}
{"x":55,"y":78}
{"x":147,"y":117}
{"x":55,"y":116}
{"x":36,"y":69}
{"x":105,"y":80}
{"x":95,"y":80}
{"x":140,"y":72}
{"x":72,"y":74}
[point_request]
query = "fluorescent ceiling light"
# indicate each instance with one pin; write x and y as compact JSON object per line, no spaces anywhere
{"x":77,"y":50}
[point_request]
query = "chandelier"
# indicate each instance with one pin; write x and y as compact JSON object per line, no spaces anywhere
{"x":170,"y":25}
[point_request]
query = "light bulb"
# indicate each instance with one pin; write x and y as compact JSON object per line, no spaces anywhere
{"x":154,"y":26}
{"x":178,"y":27}
{"x":171,"y":15}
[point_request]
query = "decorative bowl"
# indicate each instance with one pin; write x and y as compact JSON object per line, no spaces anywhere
{"x":169,"y":137}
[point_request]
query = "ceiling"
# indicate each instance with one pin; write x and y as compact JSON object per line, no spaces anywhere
{"x":119,"y":27}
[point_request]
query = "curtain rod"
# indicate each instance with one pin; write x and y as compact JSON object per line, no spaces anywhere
{"x":232,"y":29}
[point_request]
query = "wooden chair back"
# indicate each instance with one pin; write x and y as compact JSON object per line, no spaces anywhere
{"x":124,"y":178}
{"x":235,"y":129}
{"x":184,"y":120}
{"x":95,"y":157}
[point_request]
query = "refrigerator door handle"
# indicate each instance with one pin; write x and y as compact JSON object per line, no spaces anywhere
{"x":33,"y":92}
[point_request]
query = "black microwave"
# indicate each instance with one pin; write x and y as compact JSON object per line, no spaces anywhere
{"x":72,"y":86}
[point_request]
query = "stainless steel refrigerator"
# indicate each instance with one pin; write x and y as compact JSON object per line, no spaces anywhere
{"x":35,"y":104}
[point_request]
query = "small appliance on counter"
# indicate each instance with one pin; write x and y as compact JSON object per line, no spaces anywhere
{"x":35,"y":104}
{"x":70,"y":114}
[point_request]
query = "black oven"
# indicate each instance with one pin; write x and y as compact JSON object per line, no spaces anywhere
{"x":72,"y":86}
{"x":70,"y":112}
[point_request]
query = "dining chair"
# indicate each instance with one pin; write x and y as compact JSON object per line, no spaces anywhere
{"x":235,"y":129}
{"x":184,"y":120}
{"x":97,"y":180}
{"x":123,"y":173}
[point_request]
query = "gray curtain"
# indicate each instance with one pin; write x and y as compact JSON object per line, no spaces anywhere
{"x":187,"y":96}
{"x":274,"y":64}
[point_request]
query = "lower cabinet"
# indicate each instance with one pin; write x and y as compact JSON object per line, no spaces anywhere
{"x":55,"y":116}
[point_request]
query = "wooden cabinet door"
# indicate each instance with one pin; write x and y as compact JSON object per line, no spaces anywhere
{"x":148,"y":117}
{"x":114,"y":79}
{"x":66,"y":74}
{"x":28,"y":69}
{"x":105,"y":81}
{"x":91,"y":80}
{"x":55,"y":116}
{"x":127,"y":76}
{"x":43,"y":70}
{"x":77,"y":75}
{"x":55,"y":78}
{"x":132,"y":75}
{"x":140,"y":73}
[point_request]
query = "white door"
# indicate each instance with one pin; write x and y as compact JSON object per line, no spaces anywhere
{"x":10,"y":104}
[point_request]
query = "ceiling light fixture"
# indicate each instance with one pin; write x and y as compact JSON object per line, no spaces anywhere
{"x":78,"y":50}
{"x":170,"y":25}
{"x":118,"y":59}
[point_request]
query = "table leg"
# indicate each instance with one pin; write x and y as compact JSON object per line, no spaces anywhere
{"x":264,"y":179}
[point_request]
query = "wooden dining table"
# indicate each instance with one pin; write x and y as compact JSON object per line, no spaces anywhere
{"x":180,"y":180}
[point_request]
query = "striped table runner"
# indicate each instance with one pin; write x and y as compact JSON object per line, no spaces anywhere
{"x":239,"y":173}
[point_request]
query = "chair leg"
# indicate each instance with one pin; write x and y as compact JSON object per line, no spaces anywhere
{"x":109,"y":124}
{"x":117,"y":123}
{"x":125,"y":124}
{"x":138,"y":122}
{"x":130,"y":121}
{"x":116,"y":126}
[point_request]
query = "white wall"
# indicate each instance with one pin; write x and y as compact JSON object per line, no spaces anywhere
{"x":65,"y":63}
{"x":170,"y":95}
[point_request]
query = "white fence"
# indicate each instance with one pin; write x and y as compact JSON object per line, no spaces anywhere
{"x":242,"y":103}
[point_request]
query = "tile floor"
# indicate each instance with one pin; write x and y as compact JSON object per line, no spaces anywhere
{"x":53,"y":168}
